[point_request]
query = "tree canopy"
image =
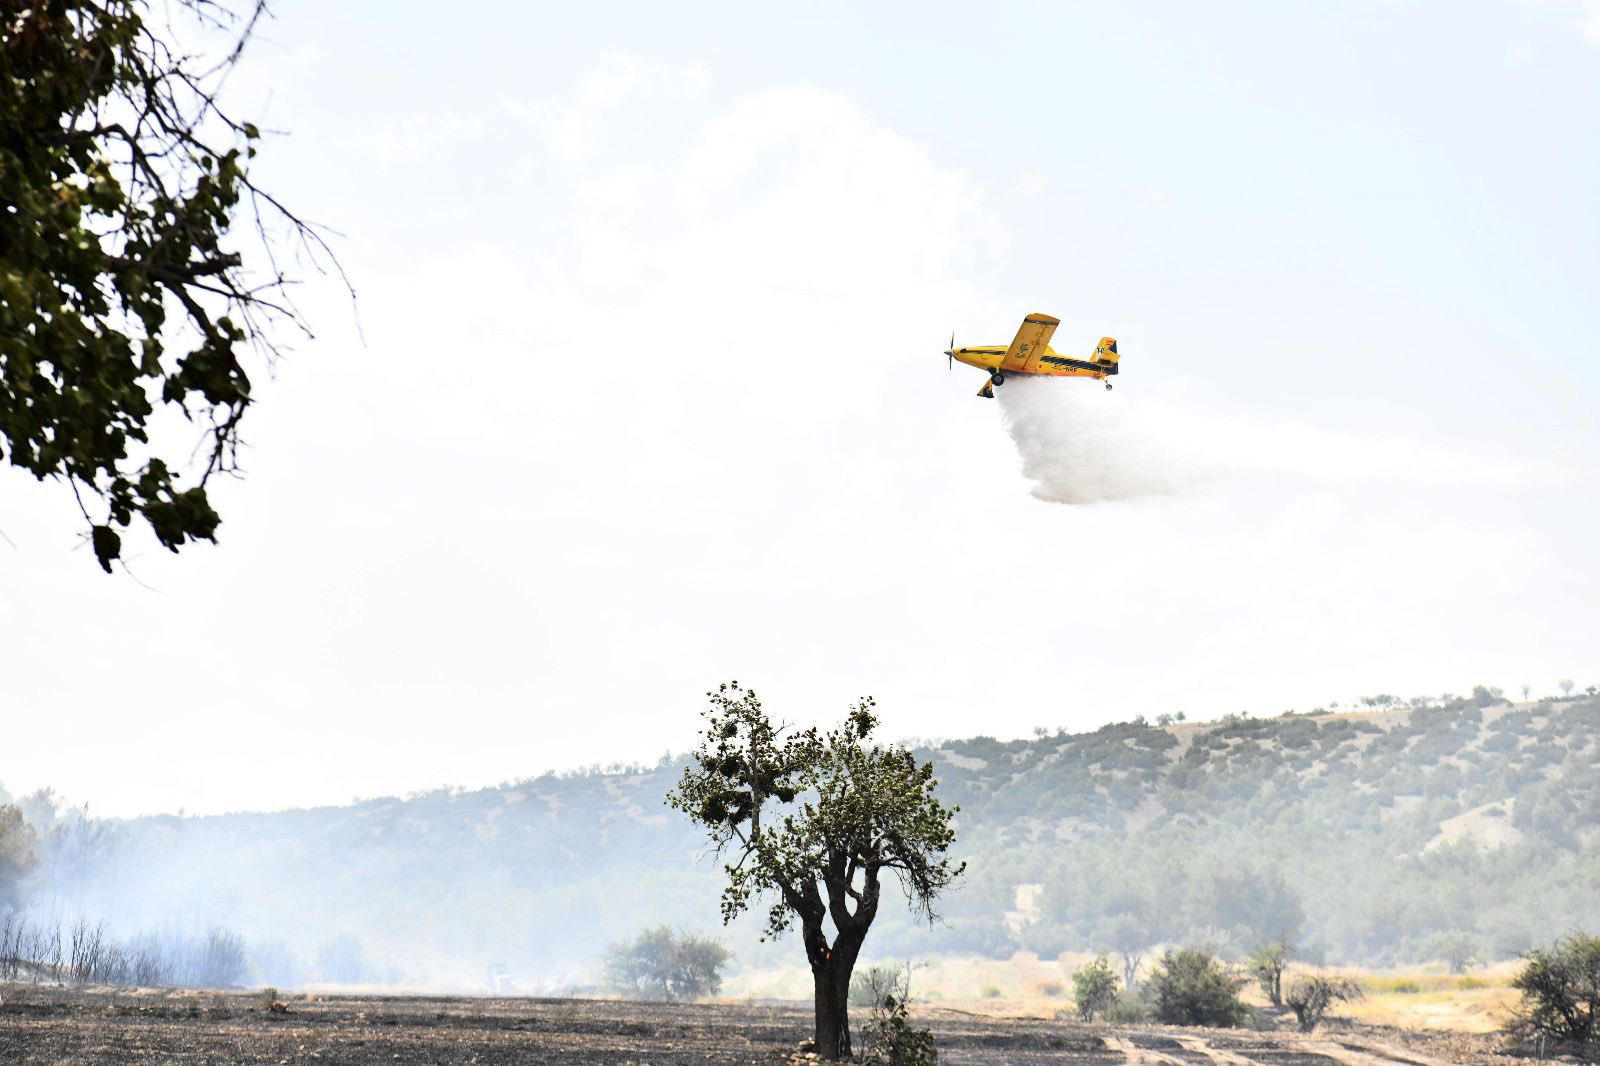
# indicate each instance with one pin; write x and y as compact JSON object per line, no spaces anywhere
{"x":126,"y":300}
{"x":658,"y":964}
{"x":18,"y":851}
{"x":811,"y":821}
{"x":1190,"y":987}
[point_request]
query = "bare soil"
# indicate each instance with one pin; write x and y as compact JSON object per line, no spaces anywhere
{"x":56,"y":1026}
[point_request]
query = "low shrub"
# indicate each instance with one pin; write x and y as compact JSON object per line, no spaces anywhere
{"x":1189,"y":987}
{"x":892,"y":1040}
{"x":1310,"y":998}
{"x":1560,"y":989}
{"x":1129,"y":1010}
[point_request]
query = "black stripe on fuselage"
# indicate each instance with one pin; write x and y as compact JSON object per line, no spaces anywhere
{"x":1079,"y":364}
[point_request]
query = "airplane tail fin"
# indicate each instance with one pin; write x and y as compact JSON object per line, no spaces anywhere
{"x":1106,"y":353}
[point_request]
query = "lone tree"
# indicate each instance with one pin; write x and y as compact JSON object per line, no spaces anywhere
{"x":658,"y":964}
{"x":1267,"y":964}
{"x":125,"y":302}
{"x":1094,"y":989}
{"x":809,"y":823}
{"x":1456,"y":949}
{"x":1128,"y":936}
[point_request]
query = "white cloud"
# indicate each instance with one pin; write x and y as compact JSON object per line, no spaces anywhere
{"x":400,"y":143}
{"x":573,"y":130}
{"x":1589,"y":24}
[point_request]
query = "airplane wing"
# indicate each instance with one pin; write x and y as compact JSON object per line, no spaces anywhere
{"x":1031,"y":341}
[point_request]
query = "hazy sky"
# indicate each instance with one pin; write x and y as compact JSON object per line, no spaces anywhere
{"x":652,"y":391}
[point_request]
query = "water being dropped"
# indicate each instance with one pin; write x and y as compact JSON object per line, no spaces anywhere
{"x":1082,"y":444}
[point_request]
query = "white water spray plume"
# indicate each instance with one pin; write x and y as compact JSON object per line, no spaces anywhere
{"x":1082,"y":444}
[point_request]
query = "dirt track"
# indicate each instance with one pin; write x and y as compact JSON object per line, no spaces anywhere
{"x":53,"y":1026}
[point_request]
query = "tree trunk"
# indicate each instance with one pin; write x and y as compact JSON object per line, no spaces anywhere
{"x":832,"y":983}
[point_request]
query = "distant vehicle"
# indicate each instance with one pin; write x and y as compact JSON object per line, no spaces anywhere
{"x":1030,"y":353}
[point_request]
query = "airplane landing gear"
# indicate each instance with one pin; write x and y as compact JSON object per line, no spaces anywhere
{"x":1108,"y":386}
{"x":997,"y":378}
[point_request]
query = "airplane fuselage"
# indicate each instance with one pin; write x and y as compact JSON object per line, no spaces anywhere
{"x":1051,"y":363}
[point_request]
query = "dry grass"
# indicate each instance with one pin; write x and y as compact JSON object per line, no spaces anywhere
{"x":1029,"y":987}
{"x":1480,"y":1002}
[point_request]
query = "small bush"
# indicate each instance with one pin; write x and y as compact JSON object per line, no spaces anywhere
{"x":1050,"y":988}
{"x":893,"y":1041}
{"x":1406,"y":987}
{"x":1189,"y":987}
{"x":1129,"y":1010}
{"x":1310,"y":998}
{"x":1094,"y":989}
{"x":1560,"y":989}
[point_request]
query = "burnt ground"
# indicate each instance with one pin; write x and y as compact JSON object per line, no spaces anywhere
{"x":57,"y":1026}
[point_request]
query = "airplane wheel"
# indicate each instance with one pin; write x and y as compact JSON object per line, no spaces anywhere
{"x":1108,"y":386}
{"x":998,"y":378}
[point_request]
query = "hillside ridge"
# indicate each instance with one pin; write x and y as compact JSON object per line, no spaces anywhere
{"x":1366,"y":836}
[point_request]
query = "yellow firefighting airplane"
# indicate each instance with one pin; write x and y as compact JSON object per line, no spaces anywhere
{"x":1030,"y":353}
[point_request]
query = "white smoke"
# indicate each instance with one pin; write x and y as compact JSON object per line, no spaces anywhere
{"x":1082,"y":444}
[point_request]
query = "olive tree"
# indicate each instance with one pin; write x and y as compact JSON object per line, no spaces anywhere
{"x":808,"y":823}
{"x":19,"y":853}
{"x":1458,"y":950}
{"x":1267,"y":963}
{"x":127,"y":300}
{"x":1129,"y":936}
{"x":1311,"y":996}
{"x":658,"y":964}
{"x":1560,"y":988}
{"x":1094,"y":989}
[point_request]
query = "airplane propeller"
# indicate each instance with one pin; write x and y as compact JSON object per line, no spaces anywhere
{"x":951,"y":352}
